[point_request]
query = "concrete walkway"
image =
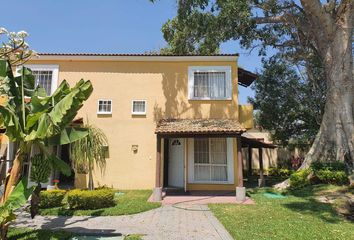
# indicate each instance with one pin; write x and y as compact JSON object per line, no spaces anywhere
{"x":172,"y":222}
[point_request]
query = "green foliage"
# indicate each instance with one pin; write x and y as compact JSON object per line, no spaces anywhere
{"x":128,"y":202}
{"x":90,"y":151}
{"x":333,"y":172}
{"x":51,"y":198}
{"x":300,"y":179}
{"x":84,"y":199}
{"x":40,"y":169}
{"x":18,"y":197}
{"x":289,"y":107}
{"x":44,"y":120}
{"x":333,"y":165}
{"x":280,"y":172}
{"x":332,"y":176}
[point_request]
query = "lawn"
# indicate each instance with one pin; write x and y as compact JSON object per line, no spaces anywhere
{"x":132,"y":201}
{"x":29,"y":234}
{"x":301,"y":215}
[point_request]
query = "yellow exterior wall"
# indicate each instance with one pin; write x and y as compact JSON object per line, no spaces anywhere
{"x":164,"y":85}
{"x":246,"y":115}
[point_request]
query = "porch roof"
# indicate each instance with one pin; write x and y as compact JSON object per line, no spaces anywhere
{"x":206,"y":127}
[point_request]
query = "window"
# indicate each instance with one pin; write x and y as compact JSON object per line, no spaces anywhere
{"x":104,"y":106}
{"x":210,"y":160}
{"x":44,"y":79}
{"x":46,"y":76}
{"x":139,"y":107}
{"x":210,"y":83}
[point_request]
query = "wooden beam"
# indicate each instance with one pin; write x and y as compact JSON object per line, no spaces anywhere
{"x":158,"y":162}
{"x":261,"y":174}
{"x":249,"y":161}
{"x":239,"y":163}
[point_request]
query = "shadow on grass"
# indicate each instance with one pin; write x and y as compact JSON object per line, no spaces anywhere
{"x":310,"y":205}
{"x":323,"y":211}
{"x":56,"y":234}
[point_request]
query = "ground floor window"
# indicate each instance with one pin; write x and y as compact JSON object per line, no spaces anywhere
{"x":210,"y":160}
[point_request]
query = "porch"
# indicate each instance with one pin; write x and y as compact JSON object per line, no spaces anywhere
{"x":199,"y":156}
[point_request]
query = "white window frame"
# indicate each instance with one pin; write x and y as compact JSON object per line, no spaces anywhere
{"x":139,"y":113}
{"x":194,"y":69}
{"x":98,"y":107}
{"x":48,"y":67}
{"x":230,"y":163}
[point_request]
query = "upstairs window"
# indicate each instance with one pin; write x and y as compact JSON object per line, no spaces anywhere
{"x":44,"y":79}
{"x":104,"y":106}
{"x":210,"y":83}
{"x":46,"y":76}
{"x":139,"y":107}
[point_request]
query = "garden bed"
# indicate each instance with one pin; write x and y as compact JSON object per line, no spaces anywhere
{"x":128,"y":202}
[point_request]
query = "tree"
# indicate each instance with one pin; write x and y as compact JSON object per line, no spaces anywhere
{"x":300,"y":31}
{"x":89,"y":151}
{"x":288,"y":105}
{"x":40,"y":121}
{"x":14,"y":48}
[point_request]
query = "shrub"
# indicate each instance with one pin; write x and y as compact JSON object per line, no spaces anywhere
{"x":51,"y":198}
{"x":334,"y":166}
{"x":330,"y":172}
{"x":279,"y":172}
{"x":300,"y":179}
{"x":331,"y":176}
{"x":94,"y":199}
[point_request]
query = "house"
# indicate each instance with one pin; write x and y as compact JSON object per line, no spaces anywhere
{"x":170,"y":120}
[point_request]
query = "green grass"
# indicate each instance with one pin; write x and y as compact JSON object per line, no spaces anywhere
{"x":29,"y":234}
{"x":299,"y":216}
{"x":133,"y":201}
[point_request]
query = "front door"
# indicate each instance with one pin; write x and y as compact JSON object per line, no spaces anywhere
{"x":176,"y":163}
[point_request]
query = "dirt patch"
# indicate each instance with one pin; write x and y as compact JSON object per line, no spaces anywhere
{"x":341,"y":198}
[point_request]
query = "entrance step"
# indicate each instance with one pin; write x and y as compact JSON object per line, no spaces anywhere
{"x":173,"y":191}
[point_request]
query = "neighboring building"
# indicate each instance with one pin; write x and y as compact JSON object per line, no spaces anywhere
{"x":170,"y":120}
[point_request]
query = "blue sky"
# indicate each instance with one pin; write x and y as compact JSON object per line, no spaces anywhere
{"x":106,"y":26}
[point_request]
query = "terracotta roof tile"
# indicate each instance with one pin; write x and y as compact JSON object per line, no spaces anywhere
{"x":199,"y":126}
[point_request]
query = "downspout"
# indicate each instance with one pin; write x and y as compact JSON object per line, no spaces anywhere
{"x":185,"y":163}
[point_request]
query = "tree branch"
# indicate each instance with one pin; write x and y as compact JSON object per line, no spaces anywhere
{"x":271,"y":19}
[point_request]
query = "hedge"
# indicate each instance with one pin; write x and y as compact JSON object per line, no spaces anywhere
{"x":94,"y":199}
{"x":300,"y":179}
{"x":51,"y":198}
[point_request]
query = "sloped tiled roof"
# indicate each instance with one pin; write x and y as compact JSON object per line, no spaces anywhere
{"x":199,"y":126}
{"x":135,"y":54}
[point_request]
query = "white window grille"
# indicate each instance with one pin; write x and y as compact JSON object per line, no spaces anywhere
{"x":104,"y":106}
{"x":210,"y":83}
{"x":44,"y":79}
{"x":210,"y":160}
{"x":46,"y":76}
{"x":139,"y":107}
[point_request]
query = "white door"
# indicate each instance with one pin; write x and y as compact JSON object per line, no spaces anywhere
{"x":176,"y":163}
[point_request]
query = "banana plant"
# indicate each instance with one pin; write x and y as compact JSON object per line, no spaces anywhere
{"x":33,"y":119}
{"x":17,"y":198}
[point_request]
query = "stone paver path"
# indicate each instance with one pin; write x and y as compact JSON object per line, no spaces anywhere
{"x":183,"y":221}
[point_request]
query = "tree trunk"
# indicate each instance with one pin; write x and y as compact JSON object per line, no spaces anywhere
{"x":90,"y":183}
{"x":335,"y":139}
{"x":14,"y":176}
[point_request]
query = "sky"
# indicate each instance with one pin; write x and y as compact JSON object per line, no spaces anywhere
{"x":102,"y":26}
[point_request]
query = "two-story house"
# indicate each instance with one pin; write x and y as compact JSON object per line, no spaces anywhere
{"x":170,"y":120}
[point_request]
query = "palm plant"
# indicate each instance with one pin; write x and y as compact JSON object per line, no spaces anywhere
{"x":89,"y":151}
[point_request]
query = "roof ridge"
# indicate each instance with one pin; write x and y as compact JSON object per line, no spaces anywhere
{"x":134,"y":54}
